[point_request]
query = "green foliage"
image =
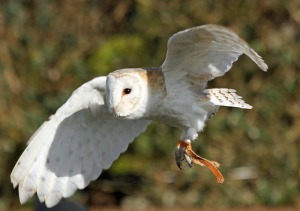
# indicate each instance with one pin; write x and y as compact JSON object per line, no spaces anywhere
{"x":48,"y":48}
{"x":110,"y":54}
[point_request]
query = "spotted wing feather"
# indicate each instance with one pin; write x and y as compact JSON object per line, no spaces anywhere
{"x":226,"y":97}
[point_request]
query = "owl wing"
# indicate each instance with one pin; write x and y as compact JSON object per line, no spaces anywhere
{"x":203,"y":53}
{"x":72,"y":148}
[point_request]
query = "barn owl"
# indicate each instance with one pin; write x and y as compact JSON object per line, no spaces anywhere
{"x":103,"y":116}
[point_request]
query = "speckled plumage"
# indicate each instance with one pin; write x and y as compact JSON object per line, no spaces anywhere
{"x":104,"y":115}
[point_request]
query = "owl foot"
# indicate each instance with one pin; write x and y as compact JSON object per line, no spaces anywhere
{"x":184,"y":152}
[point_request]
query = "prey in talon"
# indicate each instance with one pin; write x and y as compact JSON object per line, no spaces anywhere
{"x":184,"y":152}
{"x":104,"y":115}
{"x":181,"y":155}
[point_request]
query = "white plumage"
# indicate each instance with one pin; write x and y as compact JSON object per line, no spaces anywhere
{"x":74,"y":146}
{"x":104,"y":115}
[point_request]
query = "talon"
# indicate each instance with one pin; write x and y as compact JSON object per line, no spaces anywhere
{"x":179,"y":152}
{"x":180,"y":155}
{"x":188,"y":160}
{"x":184,"y":151}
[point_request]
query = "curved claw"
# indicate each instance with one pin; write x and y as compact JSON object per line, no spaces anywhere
{"x":179,"y":156}
{"x":188,"y":160}
{"x":184,"y":152}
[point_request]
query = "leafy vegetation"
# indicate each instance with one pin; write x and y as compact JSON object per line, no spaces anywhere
{"x":48,"y":48}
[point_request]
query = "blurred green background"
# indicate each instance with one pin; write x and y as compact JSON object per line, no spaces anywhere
{"x":48,"y":48}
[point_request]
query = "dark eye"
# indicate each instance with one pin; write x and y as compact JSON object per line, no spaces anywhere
{"x":127,"y":91}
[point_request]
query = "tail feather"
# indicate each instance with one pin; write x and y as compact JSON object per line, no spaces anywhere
{"x":226,"y":97}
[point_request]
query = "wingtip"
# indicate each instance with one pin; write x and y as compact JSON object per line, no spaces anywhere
{"x":265,"y":70}
{"x":13,"y":181}
{"x":248,"y":107}
{"x":53,"y":199}
{"x":258,"y":60}
{"x":24,"y":195}
{"x":264,"y":67}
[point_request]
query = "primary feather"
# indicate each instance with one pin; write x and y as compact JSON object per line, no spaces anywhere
{"x":204,"y":53}
{"x":73,"y":147}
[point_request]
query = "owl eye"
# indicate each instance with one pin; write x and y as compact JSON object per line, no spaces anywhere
{"x":127,"y":91}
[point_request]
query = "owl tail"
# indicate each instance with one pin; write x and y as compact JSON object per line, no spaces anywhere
{"x":226,"y":97}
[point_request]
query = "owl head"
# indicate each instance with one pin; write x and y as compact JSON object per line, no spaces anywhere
{"x":126,"y":93}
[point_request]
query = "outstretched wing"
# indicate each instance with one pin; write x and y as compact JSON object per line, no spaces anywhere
{"x":203,"y":53}
{"x":73,"y":147}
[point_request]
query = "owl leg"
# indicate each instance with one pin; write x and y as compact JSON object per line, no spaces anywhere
{"x":184,"y":152}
